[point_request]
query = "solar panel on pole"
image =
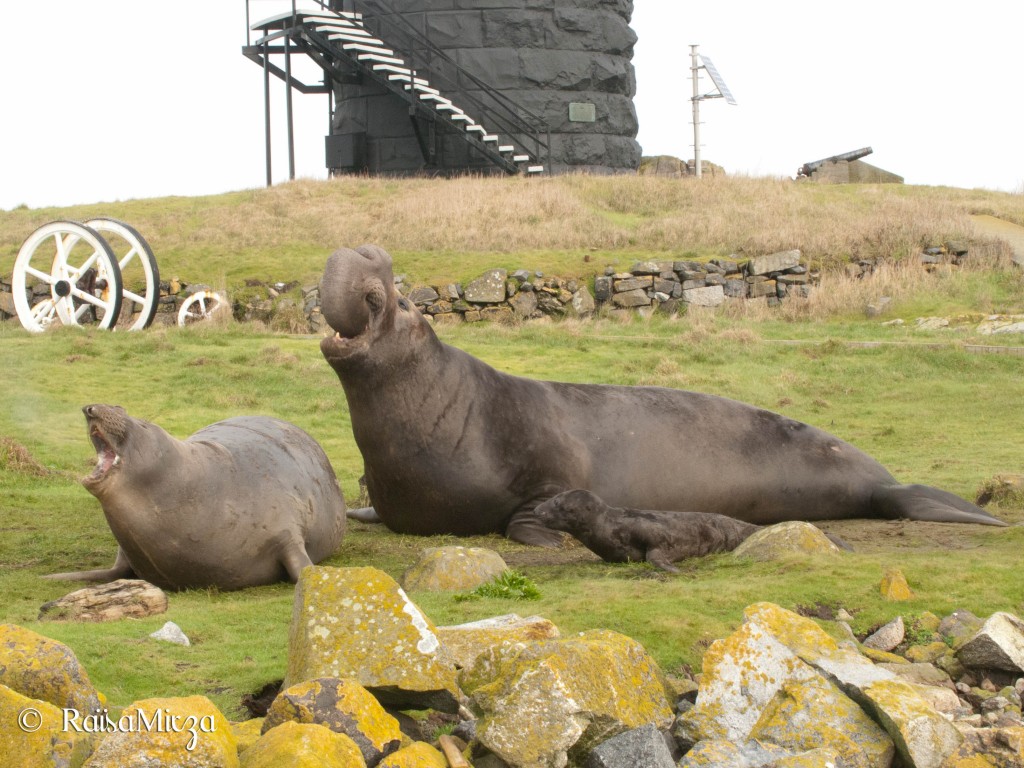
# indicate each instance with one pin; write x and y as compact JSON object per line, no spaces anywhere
{"x":718,"y":81}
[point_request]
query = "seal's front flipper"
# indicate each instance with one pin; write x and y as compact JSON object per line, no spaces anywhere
{"x":524,"y":528}
{"x":658,"y":559}
{"x":121,"y":569}
{"x":364,"y":515}
{"x":294,"y":559}
{"x":922,"y":502}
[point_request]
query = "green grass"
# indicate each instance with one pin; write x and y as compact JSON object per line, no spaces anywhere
{"x":937,"y":416}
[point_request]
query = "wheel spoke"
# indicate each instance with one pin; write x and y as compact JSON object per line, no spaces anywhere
{"x":43,"y":311}
{"x":133,"y":297}
{"x":96,"y":301}
{"x":128,"y":257}
{"x":41,"y":276}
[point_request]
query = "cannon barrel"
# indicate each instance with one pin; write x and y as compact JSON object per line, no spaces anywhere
{"x":808,"y":168}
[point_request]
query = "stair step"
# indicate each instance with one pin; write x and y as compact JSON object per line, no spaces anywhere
{"x":520,"y":158}
{"x":338,"y":32}
{"x":506,"y":148}
{"x":404,"y":78}
{"x":461,"y":117}
{"x":475,"y":128}
{"x":489,"y":137}
{"x":434,"y":95}
{"x":391,"y":68}
{"x":535,"y":169}
{"x":449,"y":107}
{"x":367,"y":49}
{"x":379,"y":58}
{"x":281,"y":19}
{"x":424,"y":89}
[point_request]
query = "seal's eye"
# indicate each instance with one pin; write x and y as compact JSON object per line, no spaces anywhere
{"x":403,"y":303}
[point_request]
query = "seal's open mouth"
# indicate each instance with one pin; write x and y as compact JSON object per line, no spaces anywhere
{"x":106,"y":456}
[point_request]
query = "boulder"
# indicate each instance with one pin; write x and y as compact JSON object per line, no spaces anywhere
{"x":960,"y":626}
{"x":718,"y":753}
{"x":635,"y":298}
{"x":41,"y":668}
{"x":707,"y":296}
{"x":999,"y":644}
{"x":633,"y":283}
{"x":171,"y":633}
{"x":121,"y":599}
{"x":32,"y":734}
{"x":464,"y":643}
{"x":358,"y":623}
{"x":774,"y":262}
{"x":416,"y":755}
{"x":894,"y":586}
{"x":489,"y":288}
{"x":501,"y":314}
{"x":247,"y":733}
{"x":523,"y":304}
{"x":794,"y":537}
{"x":298,"y":745}
{"x":345,"y":707}
{"x":583,"y":303}
{"x":541,"y":705}
{"x":187,"y":731}
{"x":887,"y":637}
{"x":644,"y":746}
{"x":444,"y":569}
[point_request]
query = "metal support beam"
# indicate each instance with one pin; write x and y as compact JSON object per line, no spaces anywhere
{"x":266,"y":112}
{"x":694,"y":73}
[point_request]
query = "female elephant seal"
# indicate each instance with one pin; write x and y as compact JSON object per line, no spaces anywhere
{"x":246,"y":501}
{"x":450,"y":445}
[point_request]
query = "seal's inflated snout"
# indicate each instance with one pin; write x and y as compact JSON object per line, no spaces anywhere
{"x":354,"y":288}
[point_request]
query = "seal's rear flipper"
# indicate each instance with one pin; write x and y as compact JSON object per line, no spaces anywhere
{"x":121,"y":569}
{"x":524,"y":528}
{"x":364,"y":515}
{"x":922,"y":502}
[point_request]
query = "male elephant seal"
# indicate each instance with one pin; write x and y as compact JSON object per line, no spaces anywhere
{"x":246,"y":501}
{"x":450,"y":445}
{"x":641,"y":535}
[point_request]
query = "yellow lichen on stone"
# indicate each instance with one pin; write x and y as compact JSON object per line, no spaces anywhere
{"x":444,"y":569}
{"x":927,"y":654}
{"x":41,"y":668}
{"x":538,"y":702}
{"x":807,"y":714}
{"x":342,"y":705}
{"x":416,"y":755}
{"x":798,"y":633}
{"x":923,"y":737}
{"x":188,"y":731}
{"x":789,"y":538}
{"x":33,"y":734}
{"x":882,"y":657}
{"x":358,"y":623}
{"x":894,"y":586}
{"x":815,"y":758}
{"x":247,"y":732}
{"x":303,"y":745}
{"x":466,"y":642}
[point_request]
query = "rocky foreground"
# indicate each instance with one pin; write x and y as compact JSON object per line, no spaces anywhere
{"x":779,"y":691}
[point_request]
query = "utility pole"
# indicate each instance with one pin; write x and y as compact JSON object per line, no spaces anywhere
{"x":694,"y":75}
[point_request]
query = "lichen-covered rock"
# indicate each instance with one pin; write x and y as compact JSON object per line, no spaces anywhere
{"x":247,"y":733}
{"x":120,"y":599}
{"x":716,"y":753}
{"x":489,"y":288}
{"x":894,"y":586}
{"x":987,"y":747}
{"x":464,"y":643}
{"x":960,"y":626}
{"x":358,"y":623}
{"x":41,"y":668}
{"x":539,"y":704}
{"x":416,"y":755}
{"x":443,"y":569}
{"x":794,"y":537}
{"x":923,"y":737}
{"x":344,"y":706}
{"x":999,"y":644}
{"x":813,"y":713}
{"x":927,"y":653}
{"x":774,"y":262}
{"x":187,"y":733}
{"x":32,"y":734}
{"x":303,"y":745}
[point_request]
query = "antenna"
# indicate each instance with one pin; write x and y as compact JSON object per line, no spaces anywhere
{"x":723,"y":93}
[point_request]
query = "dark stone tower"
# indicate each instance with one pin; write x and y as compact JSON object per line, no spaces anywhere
{"x":568,"y":62}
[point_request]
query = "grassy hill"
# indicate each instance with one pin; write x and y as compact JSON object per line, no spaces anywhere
{"x":921,"y":403}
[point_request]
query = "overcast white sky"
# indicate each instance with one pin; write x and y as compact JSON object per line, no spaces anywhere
{"x":117,"y":99}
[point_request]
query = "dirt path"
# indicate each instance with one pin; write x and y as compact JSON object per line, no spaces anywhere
{"x":990,"y":226}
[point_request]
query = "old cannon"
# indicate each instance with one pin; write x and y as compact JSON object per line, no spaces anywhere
{"x":808,"y":168}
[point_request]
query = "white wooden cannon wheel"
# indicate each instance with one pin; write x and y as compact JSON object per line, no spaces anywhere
{"x":80,"y":273}
{"x":200,"y":306}
{"x":140,"y":278}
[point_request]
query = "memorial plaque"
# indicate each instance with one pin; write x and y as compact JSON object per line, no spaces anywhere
{"x":582,"y":112}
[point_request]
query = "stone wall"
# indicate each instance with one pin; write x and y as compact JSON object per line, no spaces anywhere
{"x":542,"y":54}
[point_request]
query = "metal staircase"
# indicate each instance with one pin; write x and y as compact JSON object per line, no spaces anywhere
{"x":342,"y":44}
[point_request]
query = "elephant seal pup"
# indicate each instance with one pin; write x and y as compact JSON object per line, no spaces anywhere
{"x":450,"y":445}
{"x":641,"y":535}
{"x":246,"y":501}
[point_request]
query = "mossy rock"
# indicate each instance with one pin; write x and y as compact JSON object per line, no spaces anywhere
{"x":445,"y":569}
{"x":38,"y":740}
{"x":784,"y":539}
{"x":416,"y":755}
